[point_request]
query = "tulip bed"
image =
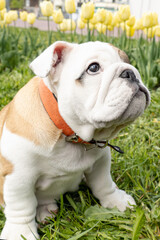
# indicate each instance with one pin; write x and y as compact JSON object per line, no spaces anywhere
{"x":17,"y":45}
{"x":144,"y":53}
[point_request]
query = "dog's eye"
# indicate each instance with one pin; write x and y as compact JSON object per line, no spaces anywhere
{"x":93,"y":68}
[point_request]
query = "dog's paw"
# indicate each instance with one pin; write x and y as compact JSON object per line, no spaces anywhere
{"x":119,"y":199}
{"x":13,"y":231}
{"x":44,"y":211}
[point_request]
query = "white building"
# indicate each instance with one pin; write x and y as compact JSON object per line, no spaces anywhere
{"x":98,"y":3}
{"x":138,"y":7}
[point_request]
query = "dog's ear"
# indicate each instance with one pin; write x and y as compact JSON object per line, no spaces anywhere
{"x":50,"y":58}
{"x":122,"y":54}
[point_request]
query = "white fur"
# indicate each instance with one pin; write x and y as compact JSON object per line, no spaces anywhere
{"x":50,"y":173}
{"x":97,"y":106}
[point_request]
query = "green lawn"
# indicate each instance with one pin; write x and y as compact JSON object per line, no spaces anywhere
{"x":137,"y":172}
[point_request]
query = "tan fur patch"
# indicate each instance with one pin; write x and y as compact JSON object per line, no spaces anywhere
{"x":28,"y":118}
{"x":5,"y":166}
{"x":25,"y":116}
{"x":5,"y":169}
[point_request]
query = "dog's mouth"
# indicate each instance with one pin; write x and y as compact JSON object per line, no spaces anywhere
{"x":144,"y":90}
{"x":128,"y":115}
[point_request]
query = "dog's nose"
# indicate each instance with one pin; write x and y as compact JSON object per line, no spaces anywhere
{"x":129,"y":74}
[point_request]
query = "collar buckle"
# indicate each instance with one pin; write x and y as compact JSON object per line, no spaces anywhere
{"x":72,"y":138}
{"x":101,"y":144}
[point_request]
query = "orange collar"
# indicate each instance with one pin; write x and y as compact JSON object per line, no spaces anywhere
{"x":51,"y":106}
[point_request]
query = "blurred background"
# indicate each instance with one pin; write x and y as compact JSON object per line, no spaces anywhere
{"x":138,"y":7}
{"x":27,"y":27}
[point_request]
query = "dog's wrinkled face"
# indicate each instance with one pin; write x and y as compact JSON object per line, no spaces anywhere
{"x":98,"y":91}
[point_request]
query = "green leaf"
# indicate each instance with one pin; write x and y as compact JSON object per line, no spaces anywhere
{"x":139,"y":223}
{"x":101,"y":213}
{"x":83,"y":233}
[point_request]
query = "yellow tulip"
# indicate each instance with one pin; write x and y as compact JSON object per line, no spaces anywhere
{"x":63,"y":26}
{"x":109,"y":17}
{"x":83,"y":19}
{"x":139,"y":24}
{"x":117,"y":19}
{"x":110,"y":27}
{"x":93,"y":20}
{"x":80,"y":24}
{"x":124,"y":12}
{"x":101,"y":28}
{"x":14,"y":15}
{"x":8,"y":17}
{"x":2,"y":4}
{"x":147,"y":19}
{"x":23,"y":16}
{"x":70,"y":6}
{"x":130,"y":31}
{"x":157,"y":31}
{"x":69,"y":26}
{"x":31,"y":18}
{"x":149,"y":32}
{"x":131,"y":21}
{"x":87,"y":10}
{"x":155,"y":18}
{"x":114,"y":23}
{"x":58,"y":16}
{"x":46,"y":8}
{"x":123,"y":26}
{"x":101,"y":15}
{"x":2,"y":12}
{"x":91,"y":26}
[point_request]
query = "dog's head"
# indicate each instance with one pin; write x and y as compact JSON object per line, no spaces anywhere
{"x":98,"y":91}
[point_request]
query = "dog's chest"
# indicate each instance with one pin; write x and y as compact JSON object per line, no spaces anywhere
{"x":67,"y":158}
{"x":59,"y":167}
{"x":64,"y":167}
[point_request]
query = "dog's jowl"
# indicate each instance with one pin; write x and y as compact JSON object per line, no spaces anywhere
{"x":82,"y":95}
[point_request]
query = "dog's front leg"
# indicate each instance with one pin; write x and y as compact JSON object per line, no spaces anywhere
{"x":20,"y":209}
{"x":100,"y":181}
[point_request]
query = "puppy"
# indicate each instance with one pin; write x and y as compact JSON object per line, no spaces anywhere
{"x":56,"y":130}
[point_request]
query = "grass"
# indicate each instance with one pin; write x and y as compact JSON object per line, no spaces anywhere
{"x":137,"y":172}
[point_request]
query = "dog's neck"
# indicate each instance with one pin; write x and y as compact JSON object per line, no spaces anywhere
{"x":50,"y":104}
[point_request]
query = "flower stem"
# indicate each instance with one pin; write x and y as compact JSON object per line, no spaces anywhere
{"x":89,"y":35}
{"x":48,"y":24}
{"x":48,"y":31}
{"x":71,"y":30}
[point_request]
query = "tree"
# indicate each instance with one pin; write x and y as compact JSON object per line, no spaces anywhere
{"x":16,"y":4}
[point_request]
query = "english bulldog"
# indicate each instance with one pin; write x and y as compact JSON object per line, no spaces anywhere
{"x":56,"y":131}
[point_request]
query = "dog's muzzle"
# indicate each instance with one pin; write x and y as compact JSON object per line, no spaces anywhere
{"x":130,"y":76}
